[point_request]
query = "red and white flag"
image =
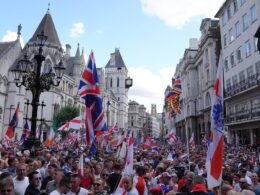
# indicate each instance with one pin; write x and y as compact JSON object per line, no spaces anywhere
{"x":216,"y":140}
{"x":75,"y":124}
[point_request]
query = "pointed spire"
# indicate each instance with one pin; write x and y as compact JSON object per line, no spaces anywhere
{"x":82,"y":53}
{"x":48,"y":10}
{"x":78,"y":52}
{"x":48,"y":27}
{"x":19,"y":31}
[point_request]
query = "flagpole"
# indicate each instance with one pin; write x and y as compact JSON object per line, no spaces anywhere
{"x":187,"y":139}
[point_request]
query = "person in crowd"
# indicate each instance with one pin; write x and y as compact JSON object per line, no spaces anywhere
{"x":34,"y":184}
{"x":104,"y":176}
{"x":20,"y":180}
{"x":97,"y":171}
{"x":67,"y":165}
{"x":99,"y":187}
{"x":87,"y":179}
{"x":50,"y":173}
{"x":129,"y":186}
{"x":114,"y":178}
{"x":255,"y":181}
{"x":63,"y":187}
{"x":6,"y":186}
{"x":12,"y":164}
{"x":53,"y":184}
{"x":163,"y":186}
{"x":139,"y":181}
{"x":75,"y":186}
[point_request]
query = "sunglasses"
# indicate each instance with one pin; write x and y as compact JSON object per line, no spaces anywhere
{"x":104,"y":174}
{"x":97,"y":184}
{"x":37,"y":178}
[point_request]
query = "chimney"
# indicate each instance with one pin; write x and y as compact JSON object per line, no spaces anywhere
{"x":68,"y":48}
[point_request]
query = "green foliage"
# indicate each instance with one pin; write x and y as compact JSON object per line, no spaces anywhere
{"x":65,"y":114}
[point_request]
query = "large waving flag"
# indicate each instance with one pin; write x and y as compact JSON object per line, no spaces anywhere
{"x":50,"y":140}
{"x":216,"y":141}
{"x":89,"y":90}
{"x":148,"y":142}
{"x":13,"y":124}
{"x":26,"y":133}
{"x":75,"y":124}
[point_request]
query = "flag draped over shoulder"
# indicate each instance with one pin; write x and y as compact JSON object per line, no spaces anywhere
{"x":26,"y":133}
{"x":13,"y":124}
{"x":89,"y":90}
{"x":216,"y":140}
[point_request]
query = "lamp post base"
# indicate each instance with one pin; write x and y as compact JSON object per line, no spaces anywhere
{"x":32,"y":144}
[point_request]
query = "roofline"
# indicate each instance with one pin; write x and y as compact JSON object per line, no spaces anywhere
{"x":220,"y":11}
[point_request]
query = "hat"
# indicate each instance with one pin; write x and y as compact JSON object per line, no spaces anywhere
{"x":165,"y":174}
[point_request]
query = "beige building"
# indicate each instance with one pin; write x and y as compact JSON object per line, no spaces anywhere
{"x":239,"y":21}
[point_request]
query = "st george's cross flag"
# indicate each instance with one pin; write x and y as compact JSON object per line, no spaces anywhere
{"x":75,"y":124}
{"x":216,"y":140}
{"x":89,"y":90}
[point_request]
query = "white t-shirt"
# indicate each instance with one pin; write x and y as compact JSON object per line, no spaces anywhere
{"x":82,"y":191}
{"x":55,"y":192}
{"x":133,"y":191}
{"x":20,"y":186}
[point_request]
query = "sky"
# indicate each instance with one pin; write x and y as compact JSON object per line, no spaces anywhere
{"x":151,"y":34}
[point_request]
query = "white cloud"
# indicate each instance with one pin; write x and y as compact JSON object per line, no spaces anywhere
{"x":77,"y":29}
{"x":177,"y":13}
{"x":12,"y":36}
{"x":148,"y":87}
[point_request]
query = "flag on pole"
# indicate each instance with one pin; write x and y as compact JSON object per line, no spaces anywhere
{"x":216,"y":140}
{"x":89,"y":90}
{"x":148,"y":142}
{"x":13,"y":124}
{"x":75,"y":124}
{"x":26,"y":133}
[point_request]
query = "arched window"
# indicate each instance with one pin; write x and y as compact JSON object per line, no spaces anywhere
{"x":208,"y":99}
{"x":47,"y":66}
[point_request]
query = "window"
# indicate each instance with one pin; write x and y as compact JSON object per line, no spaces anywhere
{"x":228,"y":13}
{"x":245,"y":22}
{"x":47,"y":66}
{"x":226,"y":64}
{"x":247,"y":48}
{"x":111,"y":82}
{"x":223,"y":19}
{"x":234,"y":80}
{"x":242,"y":2}
{"x":117,"y":81}
{"x":257,"y":67}
{"x":235,"y":5}
{"x":208,"y":99}
{"x":232,"y":60}
{"x":253,"y":13}
{"x":242,"y":77}
{"x":237,"y":26}
{"x":250,"y":72}
{"x":207,"y":74}
{"x":231,"y":35}
{"x":206,"y":56}
{"x":255,"y":43}
{"x":239,"y":55}
{"x":225,"y":40}
{"x":228,"y":84}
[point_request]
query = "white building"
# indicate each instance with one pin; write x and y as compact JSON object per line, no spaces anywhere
{"x":239,"y":21}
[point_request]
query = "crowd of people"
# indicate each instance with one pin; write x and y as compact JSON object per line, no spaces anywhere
{"x":167,"y":171}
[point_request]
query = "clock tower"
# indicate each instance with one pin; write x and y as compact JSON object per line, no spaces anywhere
{"x":118,"y":82}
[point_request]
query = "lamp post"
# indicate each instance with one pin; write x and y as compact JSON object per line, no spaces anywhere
{"x":29,"y":75}
{"x":108,"y":104}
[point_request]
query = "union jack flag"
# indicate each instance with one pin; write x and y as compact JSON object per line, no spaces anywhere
{"x":26,"y":133}
{"x":89,"y":90}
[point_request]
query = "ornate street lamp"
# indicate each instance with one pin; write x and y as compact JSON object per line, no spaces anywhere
{"x":36,"y":82}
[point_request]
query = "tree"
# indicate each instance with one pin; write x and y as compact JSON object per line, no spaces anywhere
{"x":65,"y":114}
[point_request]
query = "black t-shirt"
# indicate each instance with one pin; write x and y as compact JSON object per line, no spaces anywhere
{"x":113,"y":181}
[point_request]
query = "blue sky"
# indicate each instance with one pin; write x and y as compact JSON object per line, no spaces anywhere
{"x":151,"y":34}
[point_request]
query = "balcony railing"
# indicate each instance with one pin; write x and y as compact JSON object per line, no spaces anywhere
{"x":249,"y":82}
{"x":245,"y":115}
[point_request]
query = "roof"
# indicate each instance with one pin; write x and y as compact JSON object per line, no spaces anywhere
{"x":116,"y":60}
{"x":48,"y":27}
{"x":4,"y":46}
{"x":70,"y":62}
